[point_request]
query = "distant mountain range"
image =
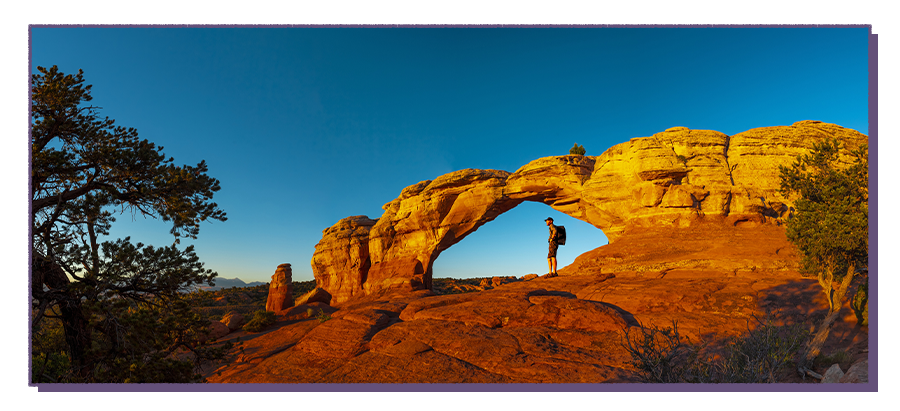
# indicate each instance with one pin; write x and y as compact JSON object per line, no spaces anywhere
{"x":221,"y":283}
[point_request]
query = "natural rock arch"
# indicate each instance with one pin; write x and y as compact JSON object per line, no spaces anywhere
{"x":676,"y":178}
{"x":515,"y":244}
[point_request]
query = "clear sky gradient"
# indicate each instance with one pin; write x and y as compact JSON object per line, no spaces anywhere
{"x":305,"y":126}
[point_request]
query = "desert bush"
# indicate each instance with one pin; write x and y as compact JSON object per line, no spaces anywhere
{"x":577,"y":150}
{"x":837,"y":357}
{"x":261,"y":319}
{"x":322,"y":316}
{"x":757,"y":356}
{"x":662,"y":355}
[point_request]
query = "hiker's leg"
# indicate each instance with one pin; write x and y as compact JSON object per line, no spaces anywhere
{"x":551,"y":257}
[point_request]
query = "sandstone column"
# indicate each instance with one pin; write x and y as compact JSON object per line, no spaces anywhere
{"x":280,"y":290}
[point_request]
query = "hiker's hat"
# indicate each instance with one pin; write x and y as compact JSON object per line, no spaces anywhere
{"x":549,"y":219}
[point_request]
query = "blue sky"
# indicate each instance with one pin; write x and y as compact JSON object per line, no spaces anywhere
{"x":305,"y":126}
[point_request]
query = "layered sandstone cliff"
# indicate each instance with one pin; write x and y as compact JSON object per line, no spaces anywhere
{"x":676,"y":179}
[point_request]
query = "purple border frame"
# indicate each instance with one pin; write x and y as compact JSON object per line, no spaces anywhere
{"x":871,"y":386}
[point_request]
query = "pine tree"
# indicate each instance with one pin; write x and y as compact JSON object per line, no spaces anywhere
{"x":117,"y":304}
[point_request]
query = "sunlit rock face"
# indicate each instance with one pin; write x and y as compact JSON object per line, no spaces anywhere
{"x":675,"y":179}
{"x":281,"y":289}
{"x":555,"y":181}
{"x":756,"y":154}
{"x":341,"y":260}
{"x":668,"y":178}
{"x":428,"y":218}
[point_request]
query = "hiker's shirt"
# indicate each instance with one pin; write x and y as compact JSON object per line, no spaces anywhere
{"x":553,"y":234}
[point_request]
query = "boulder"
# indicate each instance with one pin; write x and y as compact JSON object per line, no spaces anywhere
{"x":833,"y":375}
{"x":317,"y":295}
{"x":857,"y":373}
{"x":234,"y":321}
{"x":281,"y":289}
{"x":216,"y":330}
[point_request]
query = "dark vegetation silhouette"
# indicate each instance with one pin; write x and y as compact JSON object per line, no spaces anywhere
{"x":109,"y":311}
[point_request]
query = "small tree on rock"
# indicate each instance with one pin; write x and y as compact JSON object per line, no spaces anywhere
{"x":577,"y":150}
{"x":829,"y":225}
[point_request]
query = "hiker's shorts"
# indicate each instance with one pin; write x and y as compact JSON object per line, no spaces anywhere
{"x":553,"y":247}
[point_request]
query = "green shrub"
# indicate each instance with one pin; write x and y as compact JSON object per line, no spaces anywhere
{"x":261,"y":319}
{"x":577,"y":150}
{"x":322,"y":316}
{"x":49,"y":367}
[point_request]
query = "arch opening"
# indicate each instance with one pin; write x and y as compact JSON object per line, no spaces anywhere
{"x":515,"y":244}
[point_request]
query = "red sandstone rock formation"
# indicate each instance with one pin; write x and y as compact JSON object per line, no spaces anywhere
{"x":693,"y":221}
{"x":676,"y":179}
{"x":281,"y":289}
{"x":343,"y":261}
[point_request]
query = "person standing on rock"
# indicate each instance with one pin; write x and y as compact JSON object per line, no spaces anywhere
{"x":554,"y":244}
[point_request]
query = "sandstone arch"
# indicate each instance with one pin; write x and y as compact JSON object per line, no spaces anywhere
{"x":678,"y":178}
{"x":515,"y":244}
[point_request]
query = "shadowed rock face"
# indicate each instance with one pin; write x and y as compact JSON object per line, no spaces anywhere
{"x":676,"y":179}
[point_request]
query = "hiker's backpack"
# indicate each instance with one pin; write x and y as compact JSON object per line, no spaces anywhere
{"x":560,"y":235}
